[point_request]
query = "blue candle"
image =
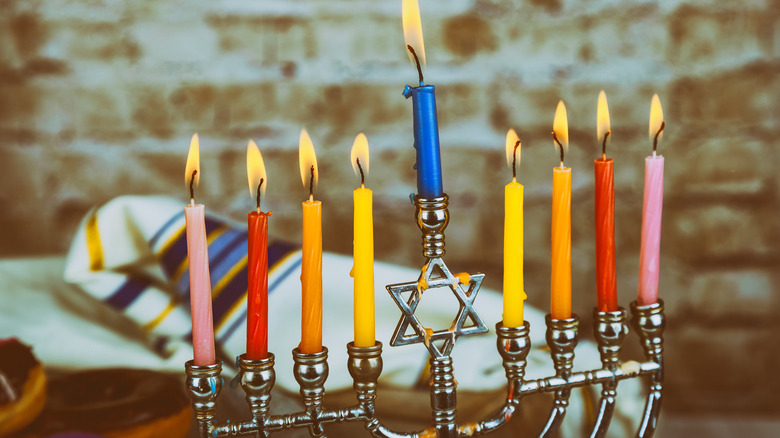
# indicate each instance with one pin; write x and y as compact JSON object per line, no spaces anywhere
{"x":426,"y":140}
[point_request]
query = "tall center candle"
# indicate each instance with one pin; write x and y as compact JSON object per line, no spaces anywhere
{"x":426,"y":126}
{"x":560,"y":254}
{"x":650,"y":250}
{"x":514,"y":291}
{"x":363,"y":249}
{"x":311,"y":266}
{"x":198,"y":260}
{"x":257,"y":251}
{"x":606,"y":280}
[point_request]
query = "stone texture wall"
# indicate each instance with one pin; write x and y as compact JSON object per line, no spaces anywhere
{"x":98,"y":98}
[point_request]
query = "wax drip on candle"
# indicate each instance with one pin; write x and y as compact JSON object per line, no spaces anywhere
{"x":560,"y":146}
{"x":417,"y":61}
{"x":655,"y":139}
{"x":311,"y":184}
{"x":604,"y":145}
{"x":514,"y":161}
{"x":258,"y":193}
{"x":192,"y":187}
{"x":362,"y":175}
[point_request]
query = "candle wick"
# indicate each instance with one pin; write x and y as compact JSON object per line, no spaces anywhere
{"x":655,"y":139}
{"x":311,"y":184}
{"x":514,"y":161}
{"x":560,"y":146}
{"x":416,"y":61}
{"x":362,"y":175}
{"x":192,"y":186}
{"x":259,"y":186}
{"x":604,"y":145}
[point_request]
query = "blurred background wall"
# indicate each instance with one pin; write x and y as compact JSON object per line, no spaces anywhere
{"x":99,"y":98}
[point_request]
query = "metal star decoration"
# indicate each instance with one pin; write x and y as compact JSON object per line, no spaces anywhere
{"x":435,"y":274}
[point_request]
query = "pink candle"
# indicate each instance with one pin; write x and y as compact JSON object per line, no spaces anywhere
{"x":649,"y":253}
{"x":198,"y":256}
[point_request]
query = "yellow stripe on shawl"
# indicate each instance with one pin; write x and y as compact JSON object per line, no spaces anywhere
{"x":228,"y":277}
{"x":171,"y":241}
{"x":94,"y":247}
{"x":237,"y":305}
{"x":156,"y":321}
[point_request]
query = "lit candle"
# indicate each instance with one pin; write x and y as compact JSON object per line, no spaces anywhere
{"x":257,"y":296}
{"x":514,"y":291}
{"x":560,"y":254}
{"x":311,"y":267}
{"x":426,"y":127}
{"x":606,"y":281}
{"x":363,"y":248}
{"x":198,"y":260}
{"x":649,"y":253}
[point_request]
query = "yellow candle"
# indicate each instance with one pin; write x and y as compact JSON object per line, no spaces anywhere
{"x":363,"y":249}
{"x":514,"y":292}
{"x":311,"y":266}
{"x":560,"y":255}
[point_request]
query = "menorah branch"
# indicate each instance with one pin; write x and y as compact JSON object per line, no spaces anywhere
{"x":562,"y":335}
{"x":609,"y":330}
{"x":650,"y":322}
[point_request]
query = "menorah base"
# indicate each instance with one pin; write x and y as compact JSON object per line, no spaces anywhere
{"x":513,"y":344}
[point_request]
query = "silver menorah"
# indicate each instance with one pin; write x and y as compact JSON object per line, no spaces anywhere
{"x":513,"y":344}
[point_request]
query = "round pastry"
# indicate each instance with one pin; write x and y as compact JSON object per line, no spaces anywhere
{"x":22,"y":386}
{"x":118,"y":403}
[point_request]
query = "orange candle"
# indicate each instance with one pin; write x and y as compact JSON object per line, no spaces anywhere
{"x":560,"y":255}
{"x":311,"y":268}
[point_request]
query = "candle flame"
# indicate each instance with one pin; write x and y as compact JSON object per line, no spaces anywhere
{"x":561,"y":127}
{"x":193,"y":163}
{"x":511,"y":141}
{"x":255,"y":170}
{"x":656,"y":117}
{"x":602,"y":117}
{"x":413,"y":35}
{"x":306,"y":159}
{"x":360,"y":151}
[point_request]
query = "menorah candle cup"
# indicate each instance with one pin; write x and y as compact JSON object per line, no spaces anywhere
{"x":514,"y":344}
{"x":257,"y":377}
{"x":650,"y":321}
{"x":365,"y":366}
{"x":311,"y":372}
{"x":204,"y":383}
{"x":609,"y":330}
{"x":432,"y":218}
{"x":562,"y":337}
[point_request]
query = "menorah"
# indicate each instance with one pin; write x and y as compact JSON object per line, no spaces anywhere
{"x":513,"y":344}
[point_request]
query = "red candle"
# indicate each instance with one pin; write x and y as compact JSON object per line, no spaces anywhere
{"x":257,"y":297}
{"x":606,"y":281}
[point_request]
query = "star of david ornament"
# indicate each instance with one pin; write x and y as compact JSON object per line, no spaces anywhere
{"x":435,"y":274}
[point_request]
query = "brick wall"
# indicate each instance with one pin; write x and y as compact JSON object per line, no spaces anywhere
{"x":99,"y":98}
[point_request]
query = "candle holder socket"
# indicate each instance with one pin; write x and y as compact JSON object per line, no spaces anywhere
{"x":432,"y":218}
